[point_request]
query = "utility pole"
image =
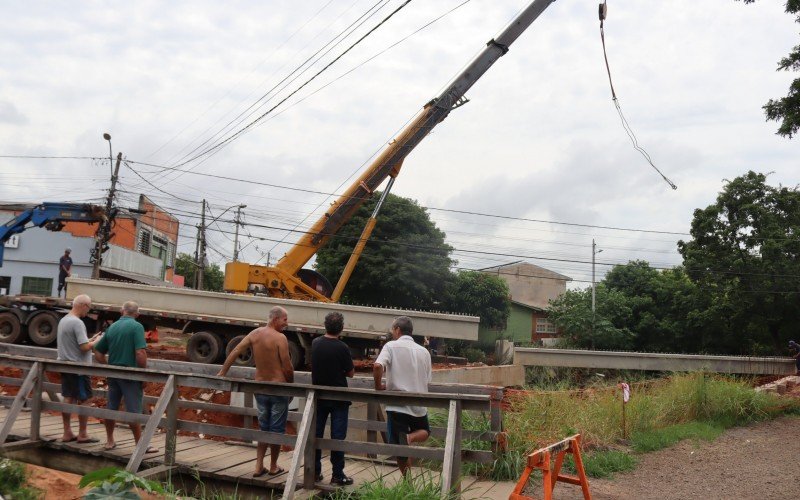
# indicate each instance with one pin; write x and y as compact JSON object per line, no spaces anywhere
{"x":236,"y":237}
{"x":196,"y":258}
{"x":103,"y":233}
{"x":594,"y":252}
{"x":201,"y":265}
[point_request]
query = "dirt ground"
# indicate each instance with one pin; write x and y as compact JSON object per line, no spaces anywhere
{"x":758,"y":462}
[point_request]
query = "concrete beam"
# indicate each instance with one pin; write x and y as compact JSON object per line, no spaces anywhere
{"x":359,"y":319}
{"x":574,"y":358}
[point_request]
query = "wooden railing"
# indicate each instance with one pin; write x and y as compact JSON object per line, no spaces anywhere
{"x":455,"y":398}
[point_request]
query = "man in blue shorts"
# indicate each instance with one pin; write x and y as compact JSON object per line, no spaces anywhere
{"x":74,"y":345}
{"x":124,"y":345}
{"x":270,"y":350}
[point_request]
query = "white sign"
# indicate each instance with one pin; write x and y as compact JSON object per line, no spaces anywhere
{"x":12,"y":242}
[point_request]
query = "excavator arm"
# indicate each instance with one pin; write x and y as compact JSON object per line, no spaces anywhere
{"x":50,"y":215}
{"x":283,"y":279}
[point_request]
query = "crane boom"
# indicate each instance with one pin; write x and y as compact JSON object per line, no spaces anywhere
{"x":282,"y":280}
{"x":51,"y":215}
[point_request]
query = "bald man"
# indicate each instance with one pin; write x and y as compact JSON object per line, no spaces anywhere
{"x":270,"y":350}
{"x":74,"y":345}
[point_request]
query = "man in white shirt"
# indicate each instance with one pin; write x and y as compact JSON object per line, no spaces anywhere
{"x":408,"y":368}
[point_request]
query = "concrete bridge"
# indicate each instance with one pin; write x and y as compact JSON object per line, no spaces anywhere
{"x":620,"y":360}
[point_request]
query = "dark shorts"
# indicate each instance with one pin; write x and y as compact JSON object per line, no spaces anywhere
{"x":62,"y":279}
{"x":129,"y":391}
{"x":272,"y":412}
{"x":404,"y":423}
{"x":76,"y":386}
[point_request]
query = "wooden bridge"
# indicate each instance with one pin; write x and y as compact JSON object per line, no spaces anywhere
{"x":188,"y":460}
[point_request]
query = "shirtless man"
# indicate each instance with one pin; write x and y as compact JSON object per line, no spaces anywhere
{"x":271,"y":354}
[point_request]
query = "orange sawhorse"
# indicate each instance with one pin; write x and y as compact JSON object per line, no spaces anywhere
{"x":540,"y":459}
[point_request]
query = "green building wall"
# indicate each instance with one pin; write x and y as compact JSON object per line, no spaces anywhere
{"x":518,"y":328}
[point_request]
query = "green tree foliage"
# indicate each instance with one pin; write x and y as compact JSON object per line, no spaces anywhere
{"x":478,"y":294}
{"x":786,"y":110}
{"x":663,"y":304}
{"x":745,"y":254}
{"x":406,"y":262}
{"x":607,"y":328}
{"x":213,"y":279}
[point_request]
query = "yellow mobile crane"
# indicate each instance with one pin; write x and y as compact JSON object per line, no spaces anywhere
{"x":288,"y":279}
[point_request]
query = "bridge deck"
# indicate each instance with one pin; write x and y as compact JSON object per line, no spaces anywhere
{"x":230,"y":462}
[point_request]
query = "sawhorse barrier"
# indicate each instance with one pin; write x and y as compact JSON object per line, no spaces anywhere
{"x":551,"y":474}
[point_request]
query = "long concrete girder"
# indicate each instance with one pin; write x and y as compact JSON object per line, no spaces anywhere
{"x":574,"y":358}
{"x":302,"y":314}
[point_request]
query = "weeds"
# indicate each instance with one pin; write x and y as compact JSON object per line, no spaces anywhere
{"x":422,"y":487}
{"x":13,"y":478}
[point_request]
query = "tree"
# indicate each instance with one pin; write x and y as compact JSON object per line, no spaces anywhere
{"x":606,"y":329}
{"x":478,"y":294}
{"x":406,"y":262}
{"x":213,"y":278}
{"x":787,"y":109}
{"x":745,"y":255}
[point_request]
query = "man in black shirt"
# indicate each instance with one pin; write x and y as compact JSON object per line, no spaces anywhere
{"x":64,"y":270}
{"x":331,"y":364}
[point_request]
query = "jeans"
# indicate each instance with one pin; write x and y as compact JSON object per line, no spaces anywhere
{"x":338,"y":413}
{"x":272,"y":412}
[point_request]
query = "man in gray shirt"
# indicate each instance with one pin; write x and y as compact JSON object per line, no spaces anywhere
{"x":74,"y":345}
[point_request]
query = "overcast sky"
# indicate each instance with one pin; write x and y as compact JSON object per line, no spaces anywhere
{"x":539,"y":139}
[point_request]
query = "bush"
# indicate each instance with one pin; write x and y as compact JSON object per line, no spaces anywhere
{"x":12,"y":481}
{"x":474,"y":355}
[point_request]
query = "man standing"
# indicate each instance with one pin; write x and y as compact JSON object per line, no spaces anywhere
{"x":64,"y":270}
{"x":408,"y":368}
{"x":123,"y":345}
{"x":794,"y":345}
{"x":271,"y":355}
{"x":331,"y":364}
{"x":74,"y":345}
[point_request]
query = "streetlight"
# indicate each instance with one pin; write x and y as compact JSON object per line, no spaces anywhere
{"x":107,"y":137}
{"x":594,"y":252}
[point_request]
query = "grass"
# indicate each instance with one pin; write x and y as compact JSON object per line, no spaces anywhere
{"x":13,"y":479}
{"x":691,"y":406}
{"x":422,"y":487}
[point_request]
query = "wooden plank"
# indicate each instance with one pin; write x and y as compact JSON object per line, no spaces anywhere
{"x":152,"y":426}
{"x":36,"y":404}
{"x":171,"y":439}
{"x":20,"y":445}
{"x":301,"y":449}
{"x":19,"y":401}
{"x":451,"y":472}
{"x":363,"y":447}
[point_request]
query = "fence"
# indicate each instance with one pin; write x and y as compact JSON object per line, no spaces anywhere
{"x":173,"y":375}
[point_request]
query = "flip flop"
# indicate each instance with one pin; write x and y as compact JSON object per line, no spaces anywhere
{"x":73,"y":438}
{"x":259,"y":474}
{"x":109,"y":448}
{"x":150,"y":450}
{"x":280,"y":470}
{"x":90,"y":440}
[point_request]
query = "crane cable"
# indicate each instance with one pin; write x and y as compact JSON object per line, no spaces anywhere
{"x":602,"y":12}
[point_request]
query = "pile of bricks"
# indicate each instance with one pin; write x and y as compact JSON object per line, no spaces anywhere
{"x":781,"y":386}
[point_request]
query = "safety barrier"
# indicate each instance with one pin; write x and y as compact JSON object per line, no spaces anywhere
{"x":551,"y":473}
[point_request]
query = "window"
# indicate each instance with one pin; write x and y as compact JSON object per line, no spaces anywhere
{"x":544,"y":325}
{"x":37,"y":286}
{"x":144,"y":241}
{"x":5,"y":285}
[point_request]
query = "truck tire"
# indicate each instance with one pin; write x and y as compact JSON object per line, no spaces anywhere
{"x":204,"y":347}
{"x":10,"y":329}
{"x":296,"y":355}
{"x":43,"y":329}
{"x":245,"y":359}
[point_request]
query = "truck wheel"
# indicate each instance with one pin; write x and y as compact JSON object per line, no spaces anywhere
{"x":204,"y":347}
{"x":43,"y":329}
{"x":245,"y":359}
{"x":10,"y":329}
{"x":296,"y":355}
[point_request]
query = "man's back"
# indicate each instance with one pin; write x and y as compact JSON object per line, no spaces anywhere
{"x":408,"y":368}
{"x":269,"y":347}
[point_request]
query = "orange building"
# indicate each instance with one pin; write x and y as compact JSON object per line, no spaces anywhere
{"x":154,"y":233}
